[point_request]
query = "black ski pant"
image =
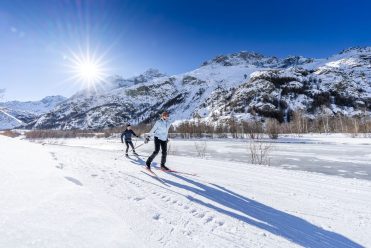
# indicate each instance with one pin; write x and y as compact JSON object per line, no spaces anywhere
{"x":158,"y":143}
{"x":127,"y":143}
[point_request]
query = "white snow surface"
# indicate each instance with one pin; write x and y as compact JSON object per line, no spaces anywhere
{"x":42,"y":206}
{"x":71,"y":195}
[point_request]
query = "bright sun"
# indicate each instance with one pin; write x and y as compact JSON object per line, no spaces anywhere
{"x":87,"y":70}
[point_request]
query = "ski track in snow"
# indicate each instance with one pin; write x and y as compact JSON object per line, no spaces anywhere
{"x":225,"y":206}
{"x":185,"y":219}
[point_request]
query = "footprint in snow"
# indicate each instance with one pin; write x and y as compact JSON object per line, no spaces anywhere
{"x":59,"y":166}
{"x":53,"y":155}
{"x":74,"y":180}
{"x":156,"y":216}
{"x":209,"y":219}
{"x":220,"y":223}
{"x":201,"y":215}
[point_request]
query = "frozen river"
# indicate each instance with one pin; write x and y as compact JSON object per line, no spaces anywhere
{"x":337,"y":154}
{"x":347,"y":160}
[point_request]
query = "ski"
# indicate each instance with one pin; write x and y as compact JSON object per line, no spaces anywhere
{"x":177,"y":172}
{"x":153,"y":175}
{"x":136,"y":155}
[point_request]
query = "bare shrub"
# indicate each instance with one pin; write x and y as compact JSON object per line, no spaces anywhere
{"x":299,"y":123}
{"x":103,"y":135}
{"x":138,"y":129}
{"x":272,"y":128}
{"x":58,"y":134}
{"x":201,"y":147}
{"x":10,"y":133}
{"x":259,"y":152}
{"x":254,"y":129}
{"x":193,"y":129}
{"x":235,"y":128}
{"x":355,"y":128}
{"x":107,"y":134}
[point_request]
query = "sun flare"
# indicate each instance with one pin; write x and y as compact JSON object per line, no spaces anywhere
{"x":87,"y":70}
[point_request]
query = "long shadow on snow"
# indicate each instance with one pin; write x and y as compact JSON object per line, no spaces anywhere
{"x":262,"y":216}
{"x":139,"y":161}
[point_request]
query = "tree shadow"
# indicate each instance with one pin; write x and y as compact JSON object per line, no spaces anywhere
{"x":262,"y":216}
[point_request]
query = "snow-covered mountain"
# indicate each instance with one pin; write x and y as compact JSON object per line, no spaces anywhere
{"x":147,"y":76}
{"x":245,"y":85}
{"x":16,"y":113}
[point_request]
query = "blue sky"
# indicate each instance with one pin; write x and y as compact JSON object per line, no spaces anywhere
{"x":174,"y":36}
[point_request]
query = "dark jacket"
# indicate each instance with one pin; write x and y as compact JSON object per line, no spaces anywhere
{"x":127,"y":134}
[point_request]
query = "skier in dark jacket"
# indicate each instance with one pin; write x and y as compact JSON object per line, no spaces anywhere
{"x":160,"y":132}
{"x":127,"y":134}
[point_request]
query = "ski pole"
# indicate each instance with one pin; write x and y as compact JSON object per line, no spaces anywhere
{"x":139,"y":146}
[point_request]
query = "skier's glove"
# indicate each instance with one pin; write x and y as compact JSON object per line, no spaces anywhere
{"x":146,"y":138}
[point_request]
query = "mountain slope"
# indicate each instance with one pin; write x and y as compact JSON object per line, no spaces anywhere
{"x":15,"y":113}
{"x":247,"y":85}
{"x":340,"y":84}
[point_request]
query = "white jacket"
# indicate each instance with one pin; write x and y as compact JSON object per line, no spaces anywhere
{"x":160,"y":129}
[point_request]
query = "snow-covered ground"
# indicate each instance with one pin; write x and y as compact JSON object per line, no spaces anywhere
{"x":73,"y":195}
{"x":41,"y":206}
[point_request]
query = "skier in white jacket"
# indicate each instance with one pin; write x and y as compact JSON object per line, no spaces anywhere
{"x":160,"y":132}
